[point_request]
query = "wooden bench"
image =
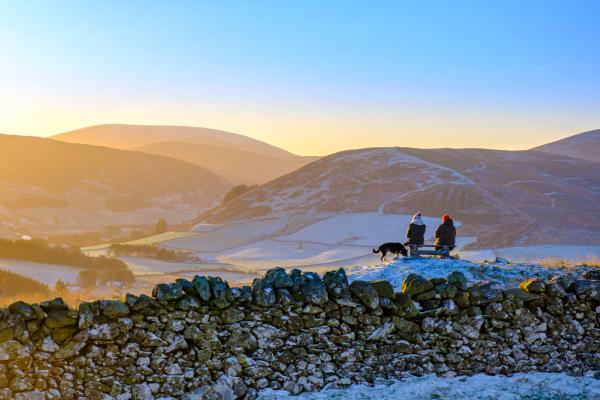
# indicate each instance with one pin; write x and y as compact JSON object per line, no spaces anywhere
{"x":421,"y":250}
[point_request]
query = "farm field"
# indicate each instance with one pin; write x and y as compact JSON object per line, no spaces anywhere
{"x":307,"y":241}
{"x":162,"y":237}
{"x":45,"y":273}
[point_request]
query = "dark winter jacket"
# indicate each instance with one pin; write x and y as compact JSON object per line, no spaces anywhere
{"x":416,"y":234}
{"x":445,"y":235}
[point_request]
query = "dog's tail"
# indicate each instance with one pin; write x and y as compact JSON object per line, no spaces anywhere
{"x":376,"y":251}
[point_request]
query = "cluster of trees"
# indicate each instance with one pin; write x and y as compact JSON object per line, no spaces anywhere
{"x":38,"y":250}
{"x":150,"y":251}
{"x":160,"y":227}
{"x":237,"y":191}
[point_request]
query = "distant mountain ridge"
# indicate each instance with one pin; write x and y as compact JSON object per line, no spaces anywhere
{"x":47,"y":184}
{"x":585,"y":145}
{"x":125,"y":136}
{"x":238,"y":158}
{"x":502,"y":197}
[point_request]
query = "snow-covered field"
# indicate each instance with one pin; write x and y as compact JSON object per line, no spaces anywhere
{"x":365,"y":229}
{"x":313,"y":240}
{"x":506,"y":274}
{"x":269,"y":253}
{"x":154,"y":239}
{"x":300,"y":240}
{"x":320,"y":239}
{"x":45,"y":273}
{"x":538,"y":253}
{"x":531,"y":386}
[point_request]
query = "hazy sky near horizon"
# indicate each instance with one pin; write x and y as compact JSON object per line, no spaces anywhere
{"x":313,"y":77}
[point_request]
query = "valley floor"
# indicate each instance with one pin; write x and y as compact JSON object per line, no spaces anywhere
{"x":239,"y":252}
{"x":538,"y":386}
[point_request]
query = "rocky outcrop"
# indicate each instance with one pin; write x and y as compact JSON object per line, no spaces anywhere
{"x":202,"y":339}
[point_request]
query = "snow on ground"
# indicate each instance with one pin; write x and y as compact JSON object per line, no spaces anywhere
{"x":154,"y":239}
{"x":367,"y":229}
{"x":44,"y":273}
{"x":230,"y":235}
{"x":203,"y":227}
{"x":538,"y":253}
{"x":270,"y":253}
{"x":300,"y":240}
{"x":506,"y":274}
{"x":538,"y":386}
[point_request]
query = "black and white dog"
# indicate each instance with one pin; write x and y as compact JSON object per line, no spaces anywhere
{"x":396,"y":248}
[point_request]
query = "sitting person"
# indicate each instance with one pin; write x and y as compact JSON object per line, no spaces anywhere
{"x":416,"y":231}
{"x":445,"y":235}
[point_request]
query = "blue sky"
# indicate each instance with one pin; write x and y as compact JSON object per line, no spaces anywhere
{"x":313,"y":77}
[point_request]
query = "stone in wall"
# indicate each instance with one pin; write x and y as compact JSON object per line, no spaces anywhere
{"x":299,"y":332}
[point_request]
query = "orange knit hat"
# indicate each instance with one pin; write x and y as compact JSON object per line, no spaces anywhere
{"x":445,"y":217}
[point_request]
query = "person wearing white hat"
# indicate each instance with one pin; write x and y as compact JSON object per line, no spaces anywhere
{"x":416,"y":231}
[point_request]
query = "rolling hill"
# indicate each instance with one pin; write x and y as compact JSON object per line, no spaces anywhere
{"x":502,"y":197}
{"x":49,"y":185}
{"x":585,"y":145}
{"x":239,"y":159}
{"x":122,"y":136}
{"x":235,"y":165}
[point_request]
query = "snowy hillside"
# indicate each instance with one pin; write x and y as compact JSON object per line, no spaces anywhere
{"x":503,"y":198}
{"x":585,"y":145}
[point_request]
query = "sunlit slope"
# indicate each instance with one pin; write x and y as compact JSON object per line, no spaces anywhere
{"x":585,"y":145}
{"x":131,"y":136}
{"x":52,"y":185}
{"x":504,"y":198}
{"x":235,"y":165}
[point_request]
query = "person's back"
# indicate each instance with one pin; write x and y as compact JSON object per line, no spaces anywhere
{"x":445,"y":235}
{"x":416,"y":231}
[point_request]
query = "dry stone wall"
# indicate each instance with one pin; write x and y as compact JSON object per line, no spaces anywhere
{"x":298,"y":332}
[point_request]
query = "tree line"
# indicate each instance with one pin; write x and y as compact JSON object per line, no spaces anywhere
{"x":150,"y":251}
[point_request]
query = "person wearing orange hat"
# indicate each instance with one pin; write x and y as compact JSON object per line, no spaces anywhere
{"x":445,"y":235}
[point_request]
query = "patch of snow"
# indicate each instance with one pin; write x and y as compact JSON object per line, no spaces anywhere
{"x":477,"y":167}
{"x":523,"y":181}
{"x":540,"y":386}
{"x":203,"y":227}
{"x":552,"y":199}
